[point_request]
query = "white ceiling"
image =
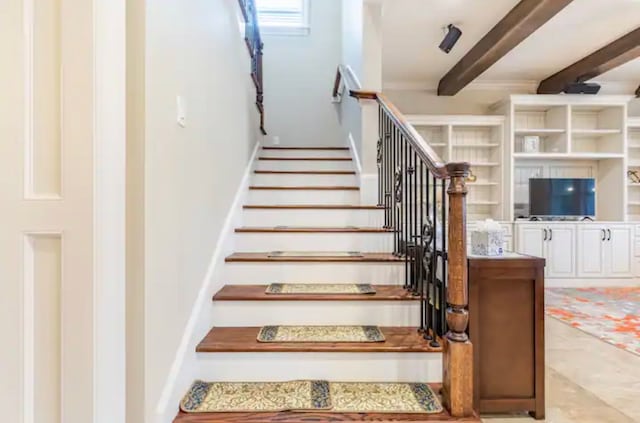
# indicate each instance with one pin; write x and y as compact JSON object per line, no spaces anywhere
{"x":412,"y":30}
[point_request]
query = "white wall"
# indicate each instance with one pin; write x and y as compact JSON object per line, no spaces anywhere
{"x":190,"y":175}
{"x":298,"y":77}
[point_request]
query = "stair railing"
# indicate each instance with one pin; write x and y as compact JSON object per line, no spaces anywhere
{"x":253,"y":39}
{"x":424,"y":201}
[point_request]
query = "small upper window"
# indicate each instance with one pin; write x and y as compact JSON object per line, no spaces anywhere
{"x":283,"y":16}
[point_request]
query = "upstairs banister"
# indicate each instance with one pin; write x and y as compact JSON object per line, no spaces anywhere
{"x":253,"y":40}
{"x":424,"y":200}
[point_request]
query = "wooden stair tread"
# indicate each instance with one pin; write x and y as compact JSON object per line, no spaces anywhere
{"x":243,"y":339}
{"x":265,"y":257}
{"x":291,"y":417}
{"x":307,"y":148}
{"x":257,"y":293}
{"x":310,"y":230}
{"x":312,"y":207}
{"x":305,"y":188}
{"x":305,"y":172}
{"x":309,"y":159}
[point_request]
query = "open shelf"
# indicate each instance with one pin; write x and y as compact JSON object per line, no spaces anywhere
{"x":476,"y":146}
{"x":478,"y":140}
{"x":567,"y":156}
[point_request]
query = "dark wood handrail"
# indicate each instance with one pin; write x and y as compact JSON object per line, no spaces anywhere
{"x":437,"y":166}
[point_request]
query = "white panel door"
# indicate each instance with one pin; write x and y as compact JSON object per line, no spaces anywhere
{"x":591,"y":246}
{"x":619,"y":253}
{"x":531,"y":240}
{"x":561,"y":243}
{"x":50,"y":233}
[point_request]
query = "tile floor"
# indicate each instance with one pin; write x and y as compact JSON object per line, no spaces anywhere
{"x":588,"y":380}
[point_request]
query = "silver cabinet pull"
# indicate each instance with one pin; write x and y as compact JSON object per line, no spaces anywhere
{"x":609,"y":230}
{"x":545,"y":234}
{"x":550,"y":234}
{"x":604,"y":234}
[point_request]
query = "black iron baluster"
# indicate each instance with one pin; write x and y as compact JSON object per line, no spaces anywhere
{"x":379,"y":153}
{"x":420,"y":258}
{"x":434,"y":266}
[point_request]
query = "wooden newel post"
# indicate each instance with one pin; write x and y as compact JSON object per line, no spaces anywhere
{"x":457,"y":386}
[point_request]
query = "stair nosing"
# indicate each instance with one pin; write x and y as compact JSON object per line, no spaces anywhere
{"x":313,"y":230}
{"x":303,"y":188}
{"x":307,"y":159}
{"x":306,"y":172}
{"x":262,"y":257}
{"x":312,"y":207}
{"x":256,"y":293}
{"x":244,"y":341}
{"x":306,"y":148}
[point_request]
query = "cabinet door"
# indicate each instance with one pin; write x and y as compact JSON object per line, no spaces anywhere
{"x":618,"y":252}
{"x":531,"y":240}
{"x":591,"y":246}
{"x":561,"y":252}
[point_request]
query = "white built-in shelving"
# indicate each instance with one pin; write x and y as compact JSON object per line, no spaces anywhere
{"x":577,"y":136}
{"x":478,"y":140}
{"x":633,"y":165}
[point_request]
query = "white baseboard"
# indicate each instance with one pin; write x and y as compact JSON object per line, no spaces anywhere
{"x":184,"y":369}
{"x":369,"y":189}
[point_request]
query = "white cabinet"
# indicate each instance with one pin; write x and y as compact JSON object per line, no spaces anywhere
{"x":555,"y":242}
{"x":561,"y":261}
{"x":591,"y":241}
{"x":618,"y":254}
{"x":605,"y":251}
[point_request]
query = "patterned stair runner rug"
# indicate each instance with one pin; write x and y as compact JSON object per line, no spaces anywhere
{"x":311,"y":396}
{"x":320,"y":289}
{"x":320,"y":334}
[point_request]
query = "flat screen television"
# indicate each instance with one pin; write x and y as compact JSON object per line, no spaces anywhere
{"x":562,"y":197}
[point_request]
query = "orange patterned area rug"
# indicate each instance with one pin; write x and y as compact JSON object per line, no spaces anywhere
{"x":611,"y":314}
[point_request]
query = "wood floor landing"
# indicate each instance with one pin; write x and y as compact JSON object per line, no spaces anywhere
{"x":309,"y":230}
{"x":257,"y":293}
{"x":267,"y":258}
{"x":244,"y":339}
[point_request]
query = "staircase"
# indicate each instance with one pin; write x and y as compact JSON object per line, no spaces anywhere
{"x":306,"y":200}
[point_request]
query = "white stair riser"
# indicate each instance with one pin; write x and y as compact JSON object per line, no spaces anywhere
{"x":303,"y":197}
{"x":287,"y":272}
{"x":305,"y":165}
{"x":260,"y":313}
{"x":380,"y":242}
{"x":311,"y":218}
{"x":304,"y":153}
{"x":266,"y":179}
{"x":343,"y":367}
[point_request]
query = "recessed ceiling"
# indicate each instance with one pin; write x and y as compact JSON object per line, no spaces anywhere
{"x":412,"y":30}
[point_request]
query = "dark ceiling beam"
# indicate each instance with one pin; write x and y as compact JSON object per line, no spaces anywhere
{"x":608,"y":57}
{"x":522,"y":21}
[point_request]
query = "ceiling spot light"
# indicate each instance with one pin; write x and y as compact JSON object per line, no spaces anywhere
{"x":452,"y":34}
